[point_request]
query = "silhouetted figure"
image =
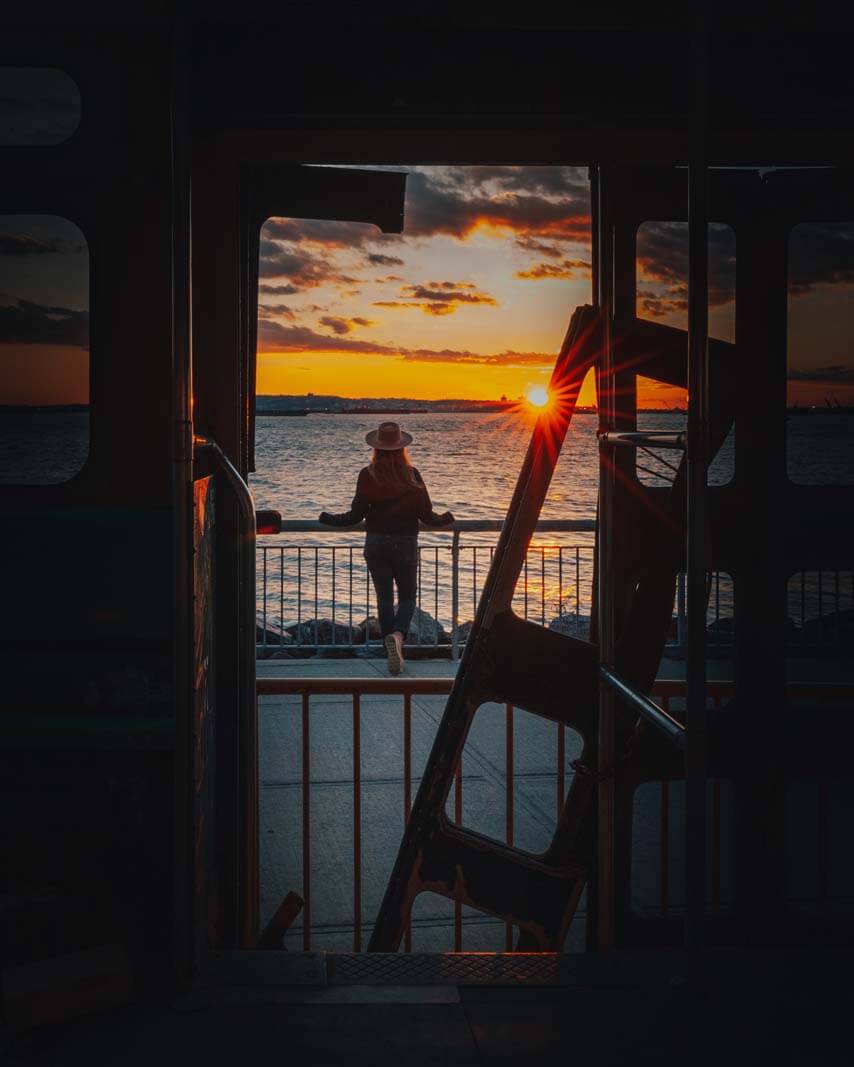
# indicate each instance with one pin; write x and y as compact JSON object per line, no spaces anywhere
{"x":392,"y":497}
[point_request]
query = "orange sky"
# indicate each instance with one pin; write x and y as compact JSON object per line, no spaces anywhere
{"x":44,"y":374}
{"x":471,"y":301}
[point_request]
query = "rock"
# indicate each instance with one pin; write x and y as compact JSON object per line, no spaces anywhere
{"x":462,"y":632}
{"x":573,"y":625}
{"x":273,"y":633}
{"x":372,"y":625}
{"x":322,"y":632}
{"x":422,"y":630}
{"x":425,"y":630}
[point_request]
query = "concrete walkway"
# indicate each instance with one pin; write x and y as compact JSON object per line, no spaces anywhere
{"x":535,"y":797}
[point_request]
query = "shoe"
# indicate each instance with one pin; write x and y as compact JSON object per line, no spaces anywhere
{"x":398,"y":640}
{"x":395,"y":660}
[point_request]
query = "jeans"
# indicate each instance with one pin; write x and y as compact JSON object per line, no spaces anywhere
{"x":393,"y":560}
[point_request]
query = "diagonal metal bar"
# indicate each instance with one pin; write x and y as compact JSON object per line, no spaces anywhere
{"x":426,"y":845}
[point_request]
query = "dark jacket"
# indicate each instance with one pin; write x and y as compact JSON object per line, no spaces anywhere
{"x":387,"y":509}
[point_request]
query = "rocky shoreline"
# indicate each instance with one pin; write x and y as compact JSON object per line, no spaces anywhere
{"x":299,"y":639}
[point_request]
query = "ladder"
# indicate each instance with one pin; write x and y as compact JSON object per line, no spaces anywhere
{"x":510,"y":660}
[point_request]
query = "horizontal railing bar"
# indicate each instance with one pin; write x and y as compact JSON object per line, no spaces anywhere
{"x":375,"y":645}
{"x":653,"y":438}
{"x":646,"y":708}
{"x":370,"y":686}
{"x":664,"y":687}
{"x":463,"y":525}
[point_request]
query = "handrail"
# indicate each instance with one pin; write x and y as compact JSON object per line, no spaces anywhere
{"x":460,"y":525}
{"x":646,"y":708}
{"x":667,"y":688}
{"x":648,"y":438}
{"x":377,"y":686}
{"x":248,"y":723}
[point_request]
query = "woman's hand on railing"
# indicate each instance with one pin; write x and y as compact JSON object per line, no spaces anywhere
{"x":447,"y":518}
{"x":324,"y":517}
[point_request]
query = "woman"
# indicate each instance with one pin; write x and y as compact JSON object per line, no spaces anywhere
{"x":391,"y":495}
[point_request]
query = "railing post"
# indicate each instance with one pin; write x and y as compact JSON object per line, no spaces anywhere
{"x":680,"y":612}
{"x":455,"y":595}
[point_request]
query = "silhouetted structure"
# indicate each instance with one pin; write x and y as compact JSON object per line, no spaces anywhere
{"x":129,"y":747}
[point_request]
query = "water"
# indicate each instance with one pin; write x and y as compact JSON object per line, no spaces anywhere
{"x":470,"y":463}
{"x":42,"y":449}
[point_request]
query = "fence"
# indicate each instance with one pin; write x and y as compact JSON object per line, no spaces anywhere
{"x":317,"y":596}
{"x":311,"y":595}
{"x":657,"y":835}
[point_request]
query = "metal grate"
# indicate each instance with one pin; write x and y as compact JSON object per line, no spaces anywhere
{"x":452,"y":968}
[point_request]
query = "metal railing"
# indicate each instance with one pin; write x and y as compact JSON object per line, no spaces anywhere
{"x":316,"y":596}
{"x":669,"y":694}
{"x":310,"y":595}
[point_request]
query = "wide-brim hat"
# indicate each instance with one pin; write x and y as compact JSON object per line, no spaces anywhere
{"x":388,"y":437}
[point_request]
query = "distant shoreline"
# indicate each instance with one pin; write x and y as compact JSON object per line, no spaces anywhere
{"x":44,"y":409}
{"x":436,"y":407}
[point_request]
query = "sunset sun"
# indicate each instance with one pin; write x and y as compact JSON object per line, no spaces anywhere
{"x":538,"y":396}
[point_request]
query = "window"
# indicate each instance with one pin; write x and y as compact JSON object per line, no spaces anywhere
{"x":44,"y":349}
{"x":820,"y":400}
{"x":38,"y":106}
{"x":662,"y":296}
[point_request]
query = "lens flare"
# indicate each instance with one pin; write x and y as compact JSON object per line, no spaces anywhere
{"x":538,"y":396}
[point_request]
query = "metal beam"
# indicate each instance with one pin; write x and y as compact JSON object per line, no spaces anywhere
{"x":698,"y":425}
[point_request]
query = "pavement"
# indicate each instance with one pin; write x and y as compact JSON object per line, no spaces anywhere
{"x":484,"y":793}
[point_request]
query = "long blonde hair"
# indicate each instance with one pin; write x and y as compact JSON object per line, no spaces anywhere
{"x":393,"y":467}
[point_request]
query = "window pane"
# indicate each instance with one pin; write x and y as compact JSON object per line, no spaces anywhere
{"x":662,"y":296}
{"x":38,"y":106}
{"x":44,"y":349}
{"x":820,"y":424}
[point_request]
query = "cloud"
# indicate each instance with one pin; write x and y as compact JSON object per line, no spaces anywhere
{"x":662,"y":254}
{"x":657,"y":304}
{"x":540,"y":248}
{"x":567,"y":268}
{"x":837,"y":373}
{"x":448,"y":293}
{"x":508,"y":357}
{"x":324,"y":234}
{"x":12,"y":244}
{"x":376,"y":259}
{"x":274,"y":337}
{"x":276,"y":311}
{"x":278,"y":290}
{"x":820,"y":254}
{"x":570,"y":182}
{"x":444,"y":203}
{"x":438,"y":298}
{"x":27,"y":323}
{"x":533,"y":201}
{"x":341,"y":325}
{"x":303,"y":269}
{"x":388,"y":278}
